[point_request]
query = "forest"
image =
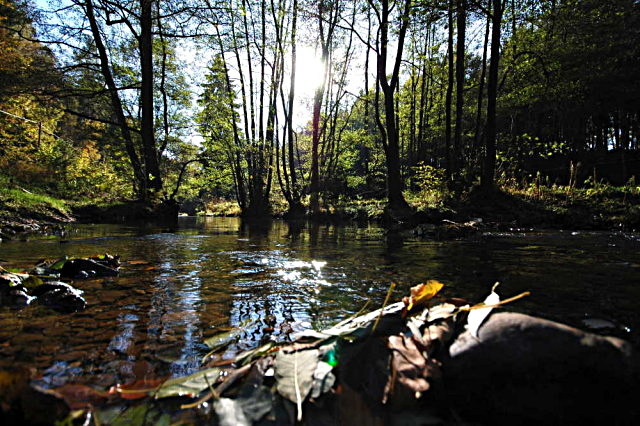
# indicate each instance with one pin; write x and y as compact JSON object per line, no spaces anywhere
{"x":434,"y":161}
{"x":316,"y":106}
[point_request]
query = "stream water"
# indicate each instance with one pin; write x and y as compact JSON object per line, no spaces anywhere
{"x":178,"y":288}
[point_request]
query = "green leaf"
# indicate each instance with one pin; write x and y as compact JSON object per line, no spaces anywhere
{"x":139,"y":415}
{"x":58,"y":264}
{"x":190,"y":385}
{"x":246,"y":357}
{"x":32,"y":281}
{"x":221,"y":340}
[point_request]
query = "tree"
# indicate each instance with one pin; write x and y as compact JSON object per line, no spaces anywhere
{"x":488,"y":175}
{"x":389,"y":86}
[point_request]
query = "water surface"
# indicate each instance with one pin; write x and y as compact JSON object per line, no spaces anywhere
{"x":179,"y":287}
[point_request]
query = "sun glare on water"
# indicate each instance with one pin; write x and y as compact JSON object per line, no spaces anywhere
{"x":309,"y":71}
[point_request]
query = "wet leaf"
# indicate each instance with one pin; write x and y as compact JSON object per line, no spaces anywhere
{"x":138,"y":389}
{"x":79,"y":397}
{"x":294,"y":375}
{"x":410,"y":372}
{"x":58,"y":264}
{"x":246,"y":357}
{"x":477,"y":316}
{"x":230,"y":413}
{"x":422,"y":293}
{"x":323,"y":379}
{"x":138,"y":415}
{"x":221,"y":340}
{"x":32,"y":281}
{"x":189,"y":386}
{"x":137,"y":262}
{"x":331,"y":357}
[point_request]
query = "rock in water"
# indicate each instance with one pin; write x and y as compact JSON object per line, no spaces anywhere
{"x":528,"y":370}
{"x":83,"y":268}
{"x":60,"y":296}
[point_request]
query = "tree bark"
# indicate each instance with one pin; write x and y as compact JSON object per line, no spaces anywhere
{"x":483,"y":72}
{"x":136,"y":165}
{"x":395,"y":198}
{"x":152,"y":167}
{"x":488,"y":176}
{"x":460,"y":69}
{"x":449,"y":94}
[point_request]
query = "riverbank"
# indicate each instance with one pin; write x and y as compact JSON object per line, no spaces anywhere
{"x":25,"y":211}
{"x":599,"y":208}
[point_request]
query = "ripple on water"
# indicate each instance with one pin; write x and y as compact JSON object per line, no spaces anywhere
{"x":178,"y":289}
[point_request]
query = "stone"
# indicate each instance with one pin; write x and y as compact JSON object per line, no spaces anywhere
{"x":527,"y":370}
{"x":60,"y":296}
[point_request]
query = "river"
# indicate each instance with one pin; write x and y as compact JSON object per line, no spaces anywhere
{"x":179,"y":287}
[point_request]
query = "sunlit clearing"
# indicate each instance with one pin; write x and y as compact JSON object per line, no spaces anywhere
{"x":309,"y":71}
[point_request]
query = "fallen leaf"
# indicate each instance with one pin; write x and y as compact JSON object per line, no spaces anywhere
{"x":410,"y":372}
{"x":136,"y":390}
{"x":58,"y":264}
{"x":79,"y":396}
{"x":477,"y":316}
{"x":230,"y":412}
{"x":323,"y":379}
{"x":294,"y":375}
{"x":422,"y":293}
{"x":190,"y":385}
{"x":137,"y":262}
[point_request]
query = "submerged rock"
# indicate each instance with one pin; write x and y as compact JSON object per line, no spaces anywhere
{"x":59,"y":296}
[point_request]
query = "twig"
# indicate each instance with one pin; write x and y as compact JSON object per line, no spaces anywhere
{"x":386,"y":300}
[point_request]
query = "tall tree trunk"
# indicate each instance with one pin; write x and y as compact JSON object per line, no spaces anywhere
{"x":325,"y":44}
{"x":151,"y":161}
{"x":488,"y":176}
{"x":396,"y":201}
{"x":236,"y":161}
{"x":449,"y":95}
{"x":483,"y":72}
{"x":163,"y":89}
{"x":460,"y":70}
{"x":116,"y":103}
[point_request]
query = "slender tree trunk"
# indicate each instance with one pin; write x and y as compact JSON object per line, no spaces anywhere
{"x":392,"y":147}
{"x":116,"y":103}
{"x":163,"y":90}
{"x":238,"y":174}
{"x":488,"y":177}
{"x":152,"y":167}
{"x":295,"y":206}
{"x":460,"y":69}
{"x":449,"y":95}
{"x":483,"y":72}
{"x":325,"y":43}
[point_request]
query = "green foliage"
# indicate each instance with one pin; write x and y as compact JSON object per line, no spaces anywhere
{"x":14,"y":198}
{"x":428,"y":178}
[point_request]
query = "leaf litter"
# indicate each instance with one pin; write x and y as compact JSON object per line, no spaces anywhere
{"x":390,"y":357}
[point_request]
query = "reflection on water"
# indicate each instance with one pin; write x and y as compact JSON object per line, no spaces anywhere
{"x":272,"y":280}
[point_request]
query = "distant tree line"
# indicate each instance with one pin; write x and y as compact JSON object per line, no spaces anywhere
{"x":470,"y":91}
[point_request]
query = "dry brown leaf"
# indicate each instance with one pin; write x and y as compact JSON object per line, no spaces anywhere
{"x":410,"y":374}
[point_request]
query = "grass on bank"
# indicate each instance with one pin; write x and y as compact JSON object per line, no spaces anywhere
{"x":17,"y":200}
